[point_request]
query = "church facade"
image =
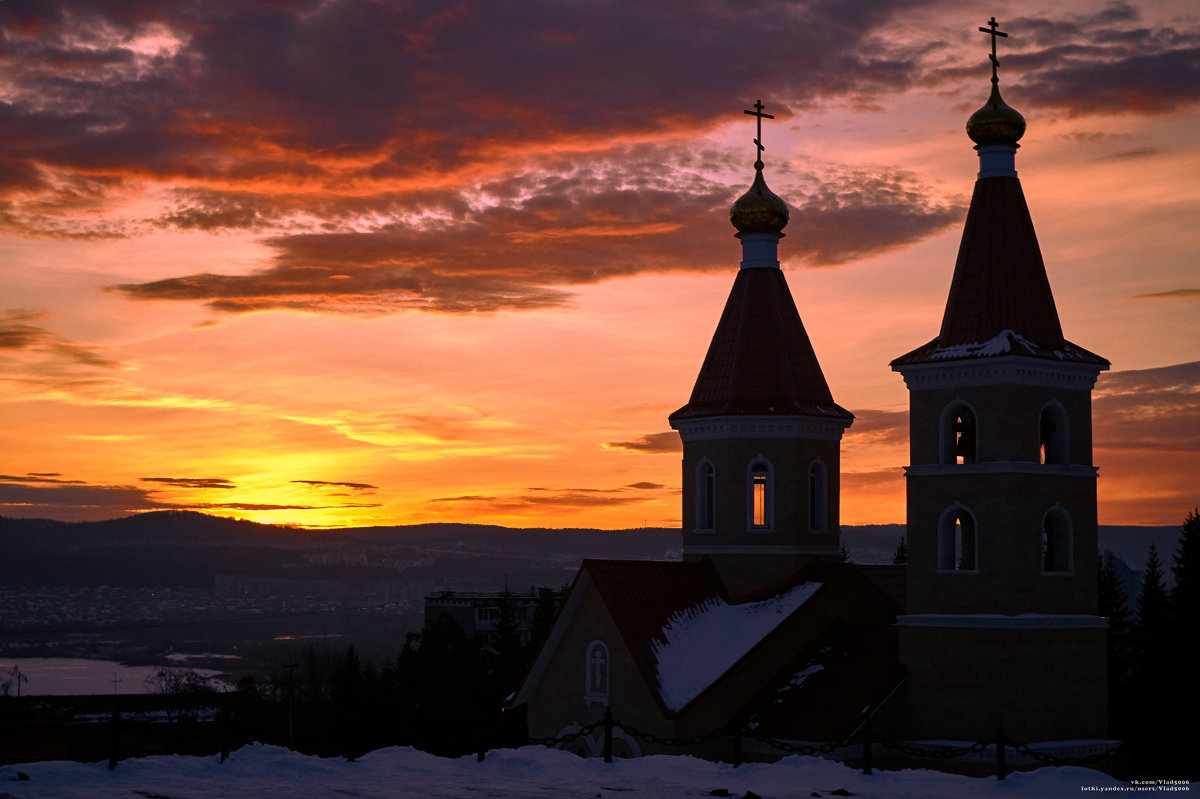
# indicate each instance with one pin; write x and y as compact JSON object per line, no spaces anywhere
{"x":760,"y":627}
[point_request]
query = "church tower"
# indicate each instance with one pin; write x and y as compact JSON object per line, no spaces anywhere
{"x":761,"y":432}
{"x":1001,"y":622}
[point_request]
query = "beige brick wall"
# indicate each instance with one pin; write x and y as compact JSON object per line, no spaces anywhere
{"x":1042,"y":684}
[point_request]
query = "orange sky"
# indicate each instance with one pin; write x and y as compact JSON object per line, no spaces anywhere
{"x":346,"y":263}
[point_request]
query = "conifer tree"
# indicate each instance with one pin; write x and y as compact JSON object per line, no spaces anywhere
{"x":1114,"y":606}
{"x":900,"y":556}
{"x":1185,"y":596}
{"x":1152,"y":617}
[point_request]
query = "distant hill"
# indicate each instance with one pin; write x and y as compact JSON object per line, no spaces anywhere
{"x":191,"y":549}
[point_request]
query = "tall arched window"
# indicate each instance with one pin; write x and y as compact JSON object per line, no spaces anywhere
{"x":818,"y":497}
{"x":761,"y":496}
{"x":1054,"y":434}
{"x":957,"y":541}
{"x":596,"y":673}
{"x":706,"y":496}
{"x":959,"y":434}
{"x":1056,"y":542}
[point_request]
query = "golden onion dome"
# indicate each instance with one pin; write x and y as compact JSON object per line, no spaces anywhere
{"x":759,"y":210}
{"x":996,"y":122}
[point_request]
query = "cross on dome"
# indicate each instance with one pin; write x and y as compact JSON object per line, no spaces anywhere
{"x":758,"y":112}
{"x":990,"y":30}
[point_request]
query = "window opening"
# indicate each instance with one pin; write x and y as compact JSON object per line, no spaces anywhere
{"x":956,"y":545}
{"x":818,"y":497}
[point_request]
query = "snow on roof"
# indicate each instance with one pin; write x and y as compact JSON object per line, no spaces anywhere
{"x":999,"y":344}
{"x":701,"y":643}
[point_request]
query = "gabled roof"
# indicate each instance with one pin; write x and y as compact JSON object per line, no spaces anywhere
{"x":641,"y":595}
{"x":760,"y":361}
{"x":1000,"y":301}
{"x":891,"y":580}
{"x":832,"y":687}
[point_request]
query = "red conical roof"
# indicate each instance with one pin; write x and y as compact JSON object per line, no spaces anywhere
{"x":760,"y":361}
{"x":1000,"y":301}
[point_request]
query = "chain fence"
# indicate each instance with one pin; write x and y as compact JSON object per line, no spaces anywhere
{"x":861,"y":740}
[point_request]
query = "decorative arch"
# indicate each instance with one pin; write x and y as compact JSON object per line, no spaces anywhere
{"x":959,"y":433}
{"x":958,"y":540}
{"x":1057,"y":542}
{"x":760,"y":488}
{"x":596,"y":673}
{"x":623,"y":744}
{"x":1054,"y":435}
{"x":706,"y":496}
{"x":818,"y":496}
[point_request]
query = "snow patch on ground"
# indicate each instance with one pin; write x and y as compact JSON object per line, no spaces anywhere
{"x":529,"y":773}
{"x":701,"y":643}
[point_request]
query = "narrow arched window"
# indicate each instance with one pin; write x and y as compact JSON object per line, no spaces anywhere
{"x":761,"y":495}
{"x":1054,"y":435}
{"x":1056,"y":542}
{"x":596,"y":675}
{"x":956,"y":541}
{"x":706,"y":496}
{"x":960,"y":434}
{"x":818,"y":497}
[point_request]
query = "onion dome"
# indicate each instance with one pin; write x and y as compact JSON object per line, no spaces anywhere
{"x":759,"y":210}
{"x":996,"y":122}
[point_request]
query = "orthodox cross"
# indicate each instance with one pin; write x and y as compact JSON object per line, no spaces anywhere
{"x":990,"y":30}
{"x":758,"y":112}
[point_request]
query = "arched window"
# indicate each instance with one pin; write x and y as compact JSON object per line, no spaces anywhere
{"x":1056,"y":542}
{"x":959,"y":434}
{"x":1055,"y":435}
{"x":706,"y":496}
{"x":596,"y":673}
{"x":761,"y":496}
{"x":956,"y":541}
{"x":818,"y":497}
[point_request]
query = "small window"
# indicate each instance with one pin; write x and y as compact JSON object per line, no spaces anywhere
{"x":959,"y":435}
{"x":1056,"y":542}
{"x":818,"y":497}
{"x":1054,"y":435}
{"x":761,"y":498}
{"x":956,"y":542}
{"x":706,"y":496}
{"x":596,"y":673}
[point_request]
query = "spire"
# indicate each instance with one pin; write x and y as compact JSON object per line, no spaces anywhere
{"x":1000,"y":300}
{"x":760,"y":361}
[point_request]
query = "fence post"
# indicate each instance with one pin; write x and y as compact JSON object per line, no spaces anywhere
{"x":1000,"y":766}
{"x":114,"y":744}
{"x":608,"y":728}
{"x":737,"y":747}
{"x":867,"y":748}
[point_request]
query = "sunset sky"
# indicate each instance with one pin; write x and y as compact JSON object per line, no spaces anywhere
{"x":350,"y":262}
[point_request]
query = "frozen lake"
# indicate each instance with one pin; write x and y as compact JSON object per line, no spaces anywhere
{"x":78,"y":676}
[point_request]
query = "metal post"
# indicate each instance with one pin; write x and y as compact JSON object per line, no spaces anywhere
{"x":608,"y":729}
{"x":1000,"y":767}
{"x":737,"y":748}
{"x":114,"y":744}
{"x":867,"y":748}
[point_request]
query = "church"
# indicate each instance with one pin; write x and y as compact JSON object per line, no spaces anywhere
{"x":760,"y":627}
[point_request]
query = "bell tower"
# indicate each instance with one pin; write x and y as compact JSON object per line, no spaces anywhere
{"x":761,"y":432}
{"x":1001,"y":622}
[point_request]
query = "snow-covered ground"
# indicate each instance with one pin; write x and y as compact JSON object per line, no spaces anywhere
{"x":531,"y":773}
